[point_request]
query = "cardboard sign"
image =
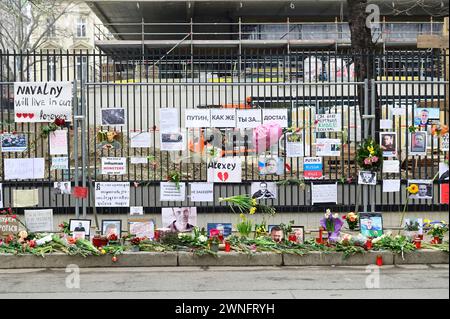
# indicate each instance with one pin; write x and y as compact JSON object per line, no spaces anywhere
{"x":323,"y":193}
{"x":24,"y":168}
{"x":58,"y":142}
{"x":328,"y":122}
{"x":8,"y":226}
{"x":170,"y":193}
{"x":59,"y":163}
{"x":202,"y":192}
{"x":225,"y":170}
{"x":312,"y":167}
{"x":114,"y":165}
{"x":80,"y":192}
{"x":223,"y":118}
{"x":195,"y":118}
{"x":112,"y":194}
{"x":42,"y":101}
{"x":278,"y":116}
{"x":39,"y":220}
{"x":248,"y":118}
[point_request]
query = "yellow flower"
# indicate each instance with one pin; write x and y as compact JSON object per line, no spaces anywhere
{"x":254,"y":202}
{"x":371,"y":150}
{"x":242,"y":216}
{"x":252,"y":210}
{"x":413,"y":189}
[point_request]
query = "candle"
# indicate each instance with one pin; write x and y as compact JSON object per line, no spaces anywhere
{"x":227,"y":247}
{"x":369,"y":244}
{"x":379,"y":260}
{"x":418,"y":243}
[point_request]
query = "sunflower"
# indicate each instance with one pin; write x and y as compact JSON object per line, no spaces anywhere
{"x":413,"y":188}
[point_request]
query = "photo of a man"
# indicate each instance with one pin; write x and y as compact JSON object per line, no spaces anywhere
{"x":371,"y":224}
{"x":367,"y":178}
{"x":110,"y":142}
{"x":425,"y":189}
{"x":179,"y":219}
{"x":80,"y":225}
{"x":388,"y":143}
{"x":263,"y":191}
{"x":276,"y":233}
{"x":423,"y":117}
{"x":113,"y":117}
{"x":111,"y":227}
{"x":418,"y":143}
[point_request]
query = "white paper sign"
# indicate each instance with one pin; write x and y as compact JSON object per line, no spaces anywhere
{"x":172,"y":142}
{"x":40,"y":220}
{"x":323,"y":193}
{"x":279,"y":116}
{"x":24,"y":168}
{"x":42,"y":101}
{"x":223,"y":118}
{"x":114,"y":165}
{"x":391,"y":185}
{"x":225,"y":170}
{"x":391,"y":166}
{"x":248,"y":118}
{"x":202,"y":192}
{"x":58,"y":142}
{"x":112,"y":194}
{"x":140,"y":139}
{"x":197,"y":118}
{"x":328,"y":122}
{"x":444,"y":143}
{"x":398,"y":111}
{"x":169,"y":120}
{"x":385,"y":124}
{"x":1,"y":195}
{"x":138,"y":160}
{"x":59,"y":163}
{"x":170,"y":192}
{"x":136,"y":210}
{"x":328,"y":147}
{"x":367,"y":178}
{"x":295,"y":145}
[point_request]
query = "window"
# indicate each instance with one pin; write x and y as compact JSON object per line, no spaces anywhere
{"x":81,"y":27}
{"x":51,"y":28}
{"x":81,"y":63}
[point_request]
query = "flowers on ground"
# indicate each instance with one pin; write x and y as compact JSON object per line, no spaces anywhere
{"x":245,"y":204}
{"x":332,"y":224}
{"x":352,"y":220}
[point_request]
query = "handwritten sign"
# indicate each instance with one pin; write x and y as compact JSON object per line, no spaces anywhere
{"x":223,"y":118}
{"x":58,"y":142}
{"x":42,"y":101}
{"x":225,"y":170}
{"x":202,"y":192}
{"x":278,"y":116}
{"x":170,"y":192}
{"x":323,"y":193}
{"x":114,"y":165}
{"x":248,"y":118}
{"x":59,"y":163}
{"x":328,"y":122}
{"x":24,"y":168}
{"x":8,"y":226}
{"x":114,"y":194}
{"x":312,"y":167}
{"x":195,"y":118}
{"x":39,"y":220}
{"x":391,"y":166}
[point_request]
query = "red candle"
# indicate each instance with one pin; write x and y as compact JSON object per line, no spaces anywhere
{"x":156,"y":235}
{"x":369,"y":244}
{"x":227,"y":247}
{"x":418,"y":243}
{"x":379,"y":260}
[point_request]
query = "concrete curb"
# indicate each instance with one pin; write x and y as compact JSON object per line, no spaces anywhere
{"x":174,"y":259}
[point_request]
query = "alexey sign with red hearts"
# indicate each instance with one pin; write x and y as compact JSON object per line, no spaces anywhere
{"x":42,"y":101}
{"x":225,"y":170}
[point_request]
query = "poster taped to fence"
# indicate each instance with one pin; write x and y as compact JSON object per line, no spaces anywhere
{"x":60,"y":163}
{"x":328,"y":122}
{"x":278,"y":116}
{"x":391,"y":185}
{"x":312,"y":167}
{"x":323,"y":193}
{"x":169,"y":120}
{"x":42,"y":101}
{"x":24,"y":168}
{"x":140,"y":139}
{"x":197,"y":118}
{"x":391,"y":166}
{"x":444,"y":143}
{"x":25,"y":197}
{"x":169,"y":192}
{"x":223,"y":118}
{"x":112,"y":194}
{"x":328,"y":147}
{"x":114,"y":165}
{"x":39,"y":220}
{"x":248,"y":118}
{"x":58,"y":142}
{"x":225,"y":170}
{"x":202,"y":192}
{"x":14,"y":142}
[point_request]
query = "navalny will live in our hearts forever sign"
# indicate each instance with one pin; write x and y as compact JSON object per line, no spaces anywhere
{"x":42,"y":101}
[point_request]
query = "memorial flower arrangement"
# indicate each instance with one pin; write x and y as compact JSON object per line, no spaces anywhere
{"x":439,"y":130}
{"x":59,"y":123}
{"x":352,"y":220}
{"x":369,"y":155}
{"x":332,"y":224}
{"x":244,"y":227}
{"x":244,"y":204}
{"x":437,"y":230}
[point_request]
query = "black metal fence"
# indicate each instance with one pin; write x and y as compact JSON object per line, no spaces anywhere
{"x":306,"y":83}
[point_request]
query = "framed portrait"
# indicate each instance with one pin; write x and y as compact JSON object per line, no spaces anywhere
{"x":388,"y":143}
{"x":425,"y":189}
{"x":110,"y":227}
{"x":264,"y":190}
{"x":371,"y":224}
{"x":299,"y":232}
{"x":367,"y":178}
{"x":80,"y":225}
{"x":141,"y":227}
{"x":179,"y":219}
{"x":115,"y":116}
{"x":225,"y":228}
{"x":418,"y":143}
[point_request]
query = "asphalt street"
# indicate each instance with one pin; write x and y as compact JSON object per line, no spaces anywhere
{"x":409,"y":281}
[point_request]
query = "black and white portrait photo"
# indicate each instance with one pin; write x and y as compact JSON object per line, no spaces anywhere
{"x":113,"y":116}
{"x":424,"y":187}
{"x":388,"y":143}
{"x":264,"y":190}
{"x":367,"y":178}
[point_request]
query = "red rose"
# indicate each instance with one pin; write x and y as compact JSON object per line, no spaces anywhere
{"x":344,"y":217}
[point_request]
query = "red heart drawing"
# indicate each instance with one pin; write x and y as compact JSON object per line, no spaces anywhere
{"x":30,"y":115}
{"x":25,"y":115}
{"x":223,"y":176}
{"x":19,"y":115}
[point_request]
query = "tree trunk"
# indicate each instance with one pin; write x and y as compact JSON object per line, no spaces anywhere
{"x":363,"y":50}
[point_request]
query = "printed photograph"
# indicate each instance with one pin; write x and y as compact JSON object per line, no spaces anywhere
{"x":62,"y":188}
{"x":388,"y":143}
{"x":264,"y":190}
{"x":13,"y":142}
{"x":426,"y":116}
{"x":418,"y":143}
{"x":109,"y":140}
{"x":371,"y":224}
{"x":113,"y":116}
{"x":225,"y":229}
{"x":367,"y":178}
{"x":142,"y":228}
{"x":423,"y":189}
{"x":110,"y":227}
{"x":80,"y":225}
{"x":299,"y":233}
{"x":179,"y":219}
